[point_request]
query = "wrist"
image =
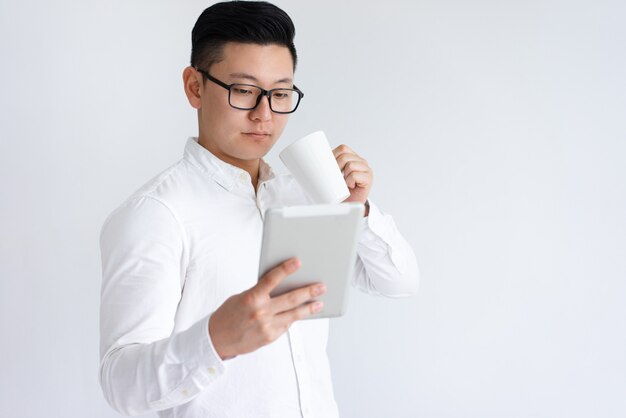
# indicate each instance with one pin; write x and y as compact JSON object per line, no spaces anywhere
{"x":220,"y":348}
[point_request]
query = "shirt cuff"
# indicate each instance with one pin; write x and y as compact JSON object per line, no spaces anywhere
{"x":205,"y":365}
{"x":213,"y":365}
{"x":375,"y":226}
{"x":379,"y":234}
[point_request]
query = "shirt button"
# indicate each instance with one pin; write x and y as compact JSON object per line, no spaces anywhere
{"x":243,"y":177}
{"x":185,"y":392}
{"x":211,"y":370}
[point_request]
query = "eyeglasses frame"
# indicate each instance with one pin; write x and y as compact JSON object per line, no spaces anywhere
{"x":266,"y":93}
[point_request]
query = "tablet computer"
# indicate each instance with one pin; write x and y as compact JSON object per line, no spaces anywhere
{"x":324,"y":238}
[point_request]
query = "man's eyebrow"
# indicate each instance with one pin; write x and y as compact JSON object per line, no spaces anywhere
{"x":246,"y":76}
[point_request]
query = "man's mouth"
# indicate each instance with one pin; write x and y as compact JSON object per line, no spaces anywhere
{"x":257,"y":134}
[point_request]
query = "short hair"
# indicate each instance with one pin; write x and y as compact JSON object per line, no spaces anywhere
{"x":252,"y":22}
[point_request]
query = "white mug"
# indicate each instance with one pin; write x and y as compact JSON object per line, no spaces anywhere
{"x":312,"y":163}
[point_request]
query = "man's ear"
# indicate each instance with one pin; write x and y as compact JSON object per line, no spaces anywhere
{"x":192,"y":81}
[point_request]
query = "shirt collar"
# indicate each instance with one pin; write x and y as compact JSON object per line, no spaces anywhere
{"x":227,"y":175}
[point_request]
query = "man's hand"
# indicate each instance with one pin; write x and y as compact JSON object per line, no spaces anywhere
{"x":358,"y":174}
{"x":252,"y":319}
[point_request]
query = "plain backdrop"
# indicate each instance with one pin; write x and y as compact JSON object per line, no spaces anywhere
{"x":496,"y":131}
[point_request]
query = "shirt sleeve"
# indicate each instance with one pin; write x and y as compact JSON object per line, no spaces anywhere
{"x":145,"y":365}
{"x":386,"y":264}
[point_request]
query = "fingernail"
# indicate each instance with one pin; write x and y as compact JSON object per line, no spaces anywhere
{"x":293,"y":264}
{"x":319,"y":289}
{"x":317,"y":306}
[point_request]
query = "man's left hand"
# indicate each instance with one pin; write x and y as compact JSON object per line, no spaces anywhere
{"x":356,"y":171}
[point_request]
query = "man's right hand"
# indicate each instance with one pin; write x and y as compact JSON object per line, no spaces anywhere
{"x":252,"y":319}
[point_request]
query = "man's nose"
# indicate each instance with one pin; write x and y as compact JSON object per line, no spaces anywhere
{"x":262,"y":111}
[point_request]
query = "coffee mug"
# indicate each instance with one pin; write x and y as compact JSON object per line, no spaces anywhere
{"x":311,"y":161}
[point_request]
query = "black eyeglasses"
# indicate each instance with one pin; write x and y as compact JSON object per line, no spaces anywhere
{"x":248,"y":96}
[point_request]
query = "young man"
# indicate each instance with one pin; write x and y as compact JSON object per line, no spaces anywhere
{"x":186,"y":327}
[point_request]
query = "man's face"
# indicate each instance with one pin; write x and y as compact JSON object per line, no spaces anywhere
{"x":241,"y":137}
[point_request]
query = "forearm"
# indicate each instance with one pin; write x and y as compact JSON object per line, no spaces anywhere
{"x":147,"y":364}
{"x":139,"y":377}
{"x":386,"y":264}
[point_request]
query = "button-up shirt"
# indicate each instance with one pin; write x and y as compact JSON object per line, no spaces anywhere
{"x":173,"y":253}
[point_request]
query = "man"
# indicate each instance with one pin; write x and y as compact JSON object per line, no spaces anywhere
{"x":186,"y":327}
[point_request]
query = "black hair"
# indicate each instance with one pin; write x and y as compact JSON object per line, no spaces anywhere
{"x":253,"y":22}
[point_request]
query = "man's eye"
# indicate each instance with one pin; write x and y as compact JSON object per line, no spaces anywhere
{"x":241,"y":91}
{"x":280,"y":95}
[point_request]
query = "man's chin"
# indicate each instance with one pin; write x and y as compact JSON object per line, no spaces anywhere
{"x":258,"y":146}
{"x":253,"y":154}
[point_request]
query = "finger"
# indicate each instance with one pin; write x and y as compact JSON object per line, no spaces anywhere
{"x":347,"y":158}
{"x":352,"y":166}
{"x":343,"y":149}
{"x":270,"y":280}
{"x":286,"y":318}
{"x":358,"y":179}
{"x":296,"y":297}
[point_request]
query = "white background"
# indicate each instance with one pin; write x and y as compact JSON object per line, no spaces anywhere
{"x":496,"y":130}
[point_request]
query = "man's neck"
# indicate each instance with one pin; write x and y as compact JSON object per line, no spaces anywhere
{"x":254,"y":173}
{"x":251,"y":166}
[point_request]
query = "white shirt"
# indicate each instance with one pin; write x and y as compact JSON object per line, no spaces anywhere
{"x":173,"y":253}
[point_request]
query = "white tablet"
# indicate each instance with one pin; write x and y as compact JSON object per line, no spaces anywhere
{"x":324,"y":238}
